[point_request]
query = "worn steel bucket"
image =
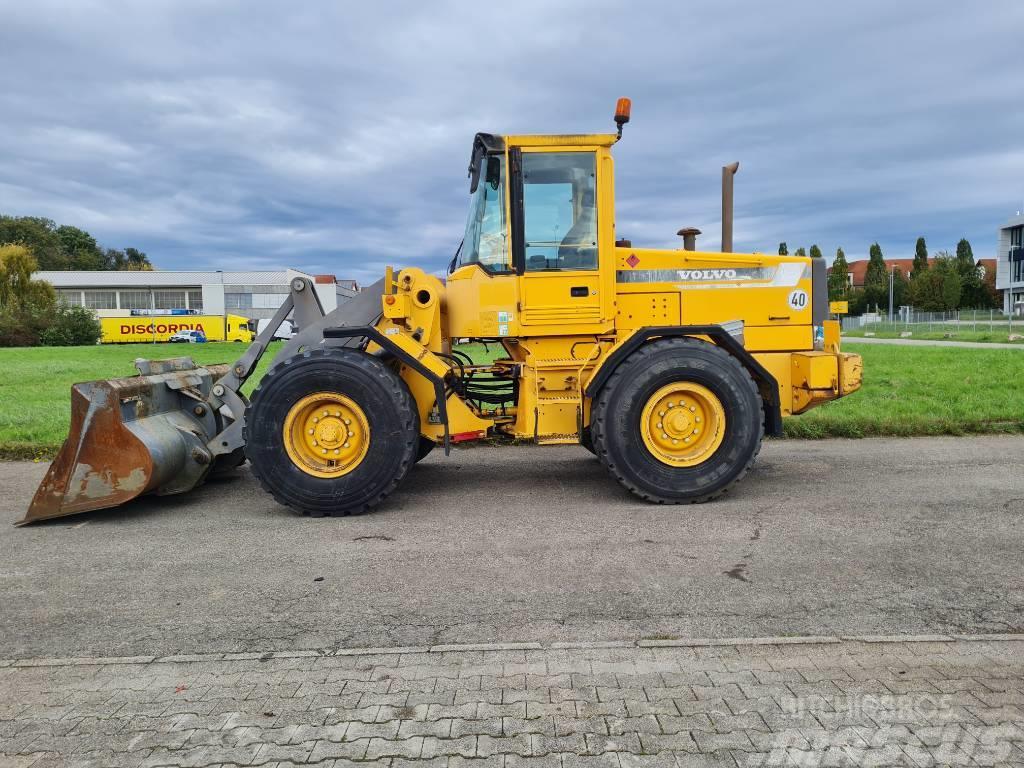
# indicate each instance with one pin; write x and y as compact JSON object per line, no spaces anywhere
{"x":131,"y":436}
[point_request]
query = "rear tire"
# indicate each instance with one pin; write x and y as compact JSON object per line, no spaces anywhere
{"x":371,"y":387}
{"x":629,"y":400}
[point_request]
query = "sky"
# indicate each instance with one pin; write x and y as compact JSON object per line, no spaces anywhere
{"x":333,"y":137}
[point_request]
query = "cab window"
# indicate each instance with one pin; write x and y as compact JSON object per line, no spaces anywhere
{"x":486,"y":239}
{"x":560,"y":210}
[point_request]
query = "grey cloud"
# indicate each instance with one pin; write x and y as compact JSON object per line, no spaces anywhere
{"x":334,"y":136}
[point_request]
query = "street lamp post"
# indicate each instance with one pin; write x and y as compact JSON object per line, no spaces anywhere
{"x":892,"y":280}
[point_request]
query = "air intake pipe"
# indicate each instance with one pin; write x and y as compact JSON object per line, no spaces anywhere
{"x":728,"y":172}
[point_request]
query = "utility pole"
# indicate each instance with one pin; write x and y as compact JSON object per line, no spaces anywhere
{"x":892,"y":280}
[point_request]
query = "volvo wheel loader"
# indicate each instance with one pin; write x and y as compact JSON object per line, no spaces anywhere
{"x":668,"y":365}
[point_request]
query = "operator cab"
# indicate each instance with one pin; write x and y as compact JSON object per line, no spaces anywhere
{"x":556,"y":201}
{"x":538,"y":248}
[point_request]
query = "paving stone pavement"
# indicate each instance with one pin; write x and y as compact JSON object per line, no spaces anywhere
{"x":922,"y":701}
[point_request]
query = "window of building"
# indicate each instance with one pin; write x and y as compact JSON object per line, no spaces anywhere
{"x":70,"y":298}
{"x":560,"y":210}
{"x":238,"y":301}
{"x":136,"y":300}
{"x":168,"y":299}
{"x":195,"y":300}
{"x":101,"y":299}
{"x":1016,"y":254}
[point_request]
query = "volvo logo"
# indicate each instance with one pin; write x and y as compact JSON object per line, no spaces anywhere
{"x":706,"y":274}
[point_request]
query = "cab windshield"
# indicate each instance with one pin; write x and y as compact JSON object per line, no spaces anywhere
{"x":486,"y":239}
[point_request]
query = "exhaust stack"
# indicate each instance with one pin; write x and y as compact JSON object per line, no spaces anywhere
{"x":689,"y":235}
{"x":728,"y":172}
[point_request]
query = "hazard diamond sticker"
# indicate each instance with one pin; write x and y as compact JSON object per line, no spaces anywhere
{"x":632,"y":260}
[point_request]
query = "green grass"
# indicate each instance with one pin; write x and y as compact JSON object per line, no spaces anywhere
{"x":907,"y":391}
{"x":1000,"y":336}
{"x":924,"y":391}
{"x":35,"y":386}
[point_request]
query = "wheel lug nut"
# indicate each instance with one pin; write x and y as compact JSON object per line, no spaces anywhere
{"x":661,"y":413}
{"x":659,"y":425}
{"x":345,"y":445}
{"x":686,"y":439}
{"x":674,"y":442}
{"x":347,"y":422}
{"x":351,"y":433}
{"x":310,"y":431}
{"x":664,"y":437}
{"x":315,"y":443}
{"x":697,"y":419}
{"x":692,"y":408}
{"x":323,"y":450}
{"x":316,"y":419}
{"x":336,"y":451}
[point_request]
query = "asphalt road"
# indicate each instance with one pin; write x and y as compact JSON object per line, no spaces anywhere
{"x":503,"y":544}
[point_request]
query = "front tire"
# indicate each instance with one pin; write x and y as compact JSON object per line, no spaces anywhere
{"x":680,"y":421}
{"x":331,"y":432}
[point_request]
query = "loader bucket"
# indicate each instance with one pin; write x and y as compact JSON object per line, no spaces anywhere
{"x":132,"y":436}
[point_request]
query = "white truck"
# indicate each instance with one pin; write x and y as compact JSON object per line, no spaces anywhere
{"x":286,"y":331}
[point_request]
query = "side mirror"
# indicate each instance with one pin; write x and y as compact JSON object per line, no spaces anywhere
{"x":474,"y":169}
{"x":493,"y":171}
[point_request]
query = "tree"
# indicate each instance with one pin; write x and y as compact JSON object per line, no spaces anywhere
{"x":815,"y":251}
{"x":938,"y":289}
{"x":800,"y":252}
{"x":38,"y":235}
{"x":80,"y":248}
{"x":18,"y":290}
{"x":974,"y":294}
{"x":965,"y":258}
{"x":27,"y":306}
{"x":951,"y":287}
{"x":130,"y":259}
{"x":783,"y":250}
{"x":839,"y":277}
{"x":66,"y":247}
{"x":876,"y":278}
{"x":920,"y":258}
{"x":900,"y":289}
{"x":137,"y":261}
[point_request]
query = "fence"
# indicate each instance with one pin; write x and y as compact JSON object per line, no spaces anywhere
{"x":945,"y":324}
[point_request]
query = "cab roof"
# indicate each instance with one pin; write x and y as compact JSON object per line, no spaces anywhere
{"x":495,"y":143}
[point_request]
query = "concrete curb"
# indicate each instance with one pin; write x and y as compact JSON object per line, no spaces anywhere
{"x":736,"y":642}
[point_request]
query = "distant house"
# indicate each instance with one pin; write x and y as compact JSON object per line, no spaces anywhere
{"x":858,"y":269}
{"x":1010,"y":278}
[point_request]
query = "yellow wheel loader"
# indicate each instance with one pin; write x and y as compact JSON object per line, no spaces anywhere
{"x":670,"y":366}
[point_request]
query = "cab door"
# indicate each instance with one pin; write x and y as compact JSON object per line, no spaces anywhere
{"x":555,"y":240}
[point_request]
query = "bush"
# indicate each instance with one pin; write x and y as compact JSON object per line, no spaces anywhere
{"x":22,"y":326}
{"x":72,"y":327}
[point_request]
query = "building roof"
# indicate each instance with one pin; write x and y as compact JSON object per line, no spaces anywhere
{"x":858,"y":269}
{"x":158,"y":277}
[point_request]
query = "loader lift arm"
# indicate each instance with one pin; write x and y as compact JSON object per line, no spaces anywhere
{"x":311,"y":320}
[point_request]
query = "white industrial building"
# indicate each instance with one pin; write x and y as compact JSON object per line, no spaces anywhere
{"x":252,"y":294}
{"x":1010,"y":265}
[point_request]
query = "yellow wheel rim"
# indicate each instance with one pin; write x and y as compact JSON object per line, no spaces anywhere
{"x":326,"y":434}
{"x":682,"y":424}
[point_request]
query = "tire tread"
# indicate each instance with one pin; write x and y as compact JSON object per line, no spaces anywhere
{"x":599,"y":420}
